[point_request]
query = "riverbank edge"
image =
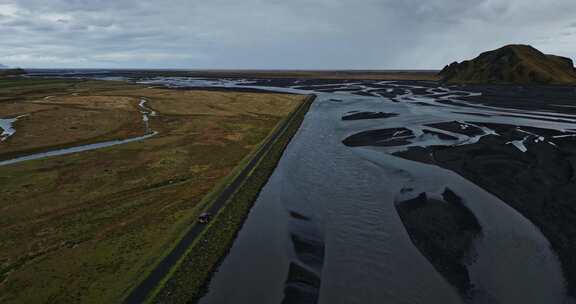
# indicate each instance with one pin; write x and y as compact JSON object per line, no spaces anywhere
{"x":212,"y":245}
{"x":209,"y":203}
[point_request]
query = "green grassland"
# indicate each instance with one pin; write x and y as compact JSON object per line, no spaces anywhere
{"x":512,"y":64}
{"x":86,"y":227}
{"x":185,"y":286}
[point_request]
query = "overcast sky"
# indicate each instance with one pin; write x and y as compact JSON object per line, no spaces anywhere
{"x":276,"y":34}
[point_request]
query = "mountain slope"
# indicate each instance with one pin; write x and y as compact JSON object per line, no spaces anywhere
{"x":520,"y":64}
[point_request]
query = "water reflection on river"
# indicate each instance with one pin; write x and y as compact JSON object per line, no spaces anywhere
{"x":325,"y":228}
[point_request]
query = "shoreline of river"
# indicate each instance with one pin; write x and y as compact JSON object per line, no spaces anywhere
{"x":210,"y":248}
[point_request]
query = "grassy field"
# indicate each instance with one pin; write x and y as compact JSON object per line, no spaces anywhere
{"x":85,"y":227}
{"x":186,"y":286}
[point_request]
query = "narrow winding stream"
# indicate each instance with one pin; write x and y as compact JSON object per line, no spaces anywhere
{"x":6,"y":125}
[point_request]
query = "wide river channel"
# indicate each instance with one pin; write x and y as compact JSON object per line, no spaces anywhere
{"x":325,"y":228}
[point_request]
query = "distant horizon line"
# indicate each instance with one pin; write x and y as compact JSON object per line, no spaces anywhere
{"x":235,"y":70}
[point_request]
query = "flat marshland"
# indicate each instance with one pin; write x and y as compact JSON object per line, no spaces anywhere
{"x":86,"y":227}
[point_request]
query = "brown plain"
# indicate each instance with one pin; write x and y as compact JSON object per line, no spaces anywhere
{"x":85,"y":227}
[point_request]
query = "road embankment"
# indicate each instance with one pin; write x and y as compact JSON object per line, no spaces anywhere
{"x":182,"y":276}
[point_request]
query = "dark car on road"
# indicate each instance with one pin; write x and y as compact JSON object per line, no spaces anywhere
{"x":204,"y":218}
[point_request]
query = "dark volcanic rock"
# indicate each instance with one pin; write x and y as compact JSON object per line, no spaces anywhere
{"x":520,"y":64}
{"x":552,"y":98}
{"x":368,"y":115}
{"x":384,"y":137}
{"x":457,"y":127}
{"x":539,"y":183}
{"x":443,"y":230}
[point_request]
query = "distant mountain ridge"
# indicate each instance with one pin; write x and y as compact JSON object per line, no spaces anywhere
{"x":513,"y":64}
{"x":3,"y":66}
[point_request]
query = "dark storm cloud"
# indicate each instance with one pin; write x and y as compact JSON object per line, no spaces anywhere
{"x":299,"y":34}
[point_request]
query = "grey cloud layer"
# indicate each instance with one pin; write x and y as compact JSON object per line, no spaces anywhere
{"x":296,"y":34}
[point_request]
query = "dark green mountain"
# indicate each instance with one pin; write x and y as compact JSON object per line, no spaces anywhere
{"x":513,"y":64}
